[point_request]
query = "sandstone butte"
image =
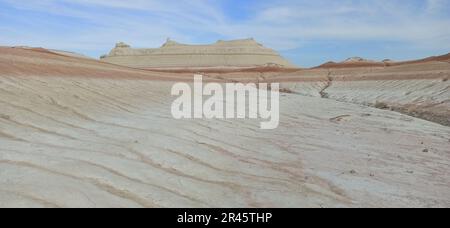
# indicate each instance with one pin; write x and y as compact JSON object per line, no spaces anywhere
{"x":234,"y":53}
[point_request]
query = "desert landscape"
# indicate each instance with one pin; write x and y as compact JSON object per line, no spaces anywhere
{"x":81,"y":132}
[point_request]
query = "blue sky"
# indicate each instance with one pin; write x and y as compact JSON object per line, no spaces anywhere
{"x":306,"y":32}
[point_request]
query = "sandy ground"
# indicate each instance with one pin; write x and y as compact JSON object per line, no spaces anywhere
{"x":97,"y":141}
{"x":421,"y":89}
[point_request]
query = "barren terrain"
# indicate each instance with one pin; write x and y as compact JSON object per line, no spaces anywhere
{"x":77,"y":132}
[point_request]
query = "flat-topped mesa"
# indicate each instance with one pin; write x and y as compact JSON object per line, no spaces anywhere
{"x":234,"y":53}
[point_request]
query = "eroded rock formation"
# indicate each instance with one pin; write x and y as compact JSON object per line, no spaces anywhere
{"x":104,"y":133}
{"x":236,"y":53}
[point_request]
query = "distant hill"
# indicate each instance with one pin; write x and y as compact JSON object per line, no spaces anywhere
{"x":361,"y":62}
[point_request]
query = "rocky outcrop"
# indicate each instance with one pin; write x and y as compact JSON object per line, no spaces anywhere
{"x":236,"y":53}
{"x":353,"y":62}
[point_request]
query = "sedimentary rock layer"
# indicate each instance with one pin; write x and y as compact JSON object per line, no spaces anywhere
{"x":236,"y":53}
{"x":98,"y":141}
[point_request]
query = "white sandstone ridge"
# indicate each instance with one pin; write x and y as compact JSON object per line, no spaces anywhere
{"x":358,"y":60}
{"x":235,"y":53}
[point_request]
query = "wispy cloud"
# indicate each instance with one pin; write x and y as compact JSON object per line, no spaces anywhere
{"x":354,"y":20}
{"x":437,"y":6}
{"x":93,"y":26}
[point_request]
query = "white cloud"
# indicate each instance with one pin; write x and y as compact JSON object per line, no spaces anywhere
{"x":381,"y":20}
{"x":434,"y":6}
{"x":288,"y":25}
